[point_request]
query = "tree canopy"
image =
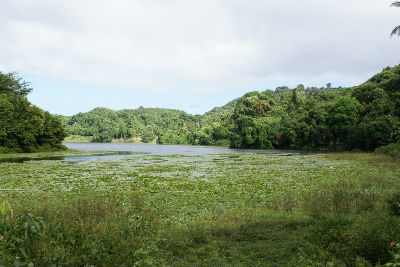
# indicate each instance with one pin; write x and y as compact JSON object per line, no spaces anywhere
{"x":362,"y":117}
{"x":24,"y":127}
{"x":396,"y":29}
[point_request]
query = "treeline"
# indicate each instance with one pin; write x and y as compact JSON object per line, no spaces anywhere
{"x":24,"y":127}
{"x":363,"y":117}
{"x":150,"y":125}
{"x":146,"y":125}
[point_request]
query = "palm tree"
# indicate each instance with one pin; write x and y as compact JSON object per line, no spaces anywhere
{"x":396,"y":30}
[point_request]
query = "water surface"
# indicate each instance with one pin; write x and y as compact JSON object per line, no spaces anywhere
{"x":155,"y":149}
{"x":126,"y":150}
{"x":73,"y":158}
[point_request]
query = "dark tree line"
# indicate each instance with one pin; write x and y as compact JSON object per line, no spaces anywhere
{"x":24,"y":127}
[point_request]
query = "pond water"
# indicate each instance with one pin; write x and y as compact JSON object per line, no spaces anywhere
{"x":73,"y":158}
{"x":126,"y":150}
{"x":155,"y":149}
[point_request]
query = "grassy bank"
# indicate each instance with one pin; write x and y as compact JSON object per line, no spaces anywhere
{"x":233,"y":209}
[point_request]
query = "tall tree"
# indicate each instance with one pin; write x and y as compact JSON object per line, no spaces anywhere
{"x":23,"y":126}
{"x":396,"y":30}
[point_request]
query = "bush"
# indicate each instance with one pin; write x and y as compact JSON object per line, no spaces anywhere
{"x":343,"y":197}
{"x":394,"y":204}
{"x":4,"y":150}
{"x":392,"y":150}
{"x":349,"y":238}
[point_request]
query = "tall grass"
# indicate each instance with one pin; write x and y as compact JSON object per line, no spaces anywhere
{"x":89,"y":229}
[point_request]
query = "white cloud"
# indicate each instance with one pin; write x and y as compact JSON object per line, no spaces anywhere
{"x":200,"y":46}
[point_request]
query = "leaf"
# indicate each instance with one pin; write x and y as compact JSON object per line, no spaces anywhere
{"x":23,"y":252}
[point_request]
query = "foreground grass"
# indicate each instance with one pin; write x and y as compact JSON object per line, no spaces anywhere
{"x":233,"y":209}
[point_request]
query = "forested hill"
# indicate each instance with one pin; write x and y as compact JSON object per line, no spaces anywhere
{"x":217,"y":113}
{"x":164,"y":126}
{"x":132,"y":125}
{"x":362,"y":117}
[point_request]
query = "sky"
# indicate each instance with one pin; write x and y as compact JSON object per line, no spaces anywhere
{"x":187,"y":54}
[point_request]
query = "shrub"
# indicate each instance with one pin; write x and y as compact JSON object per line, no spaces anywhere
{"x":392,"y":150}
{"x":394,"y":204}
{"x":342,"y":197}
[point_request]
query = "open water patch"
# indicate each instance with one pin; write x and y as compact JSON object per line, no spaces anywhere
{"x":75,"y":158}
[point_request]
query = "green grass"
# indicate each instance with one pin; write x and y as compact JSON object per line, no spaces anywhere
{"x":227,"y":210}
{"x":77,"y":139}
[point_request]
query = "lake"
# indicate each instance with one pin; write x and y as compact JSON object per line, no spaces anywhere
{"x":161,"y":150}
{"x":126,"y":150}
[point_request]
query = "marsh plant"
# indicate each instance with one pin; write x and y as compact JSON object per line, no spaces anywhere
{"x":227,"y":210}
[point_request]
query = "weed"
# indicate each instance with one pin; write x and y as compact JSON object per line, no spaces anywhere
{"x":392,"y":150}
{"x":241,"y":210}
{"x":394,"y":204}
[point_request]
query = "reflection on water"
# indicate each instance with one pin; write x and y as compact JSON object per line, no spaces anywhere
{"x":77,"y":158}
{"x":126,"y":150}
{"x":154,"y":149}
{"x":113,"y":155}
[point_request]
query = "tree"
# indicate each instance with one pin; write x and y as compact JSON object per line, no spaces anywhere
{"x":24,"y":127}
{"x":53,"y":132}
{"x":244,"y":132}
{"x":343,"y":119}
{"x":11,"y":84}
{"x":396,"y":30}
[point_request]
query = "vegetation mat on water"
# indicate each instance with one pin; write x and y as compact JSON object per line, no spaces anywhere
{"x":207,"y":210}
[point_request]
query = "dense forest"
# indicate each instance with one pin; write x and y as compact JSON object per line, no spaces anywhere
{"x":136,"y":125}
{"x":363,"y":117}
{"x":164,"y":126}
{"x":23,"y":126}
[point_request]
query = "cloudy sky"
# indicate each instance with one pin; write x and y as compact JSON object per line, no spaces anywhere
{"x":189,"y":55}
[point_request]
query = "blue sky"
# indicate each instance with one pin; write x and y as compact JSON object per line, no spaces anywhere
{"x":189,"y":55}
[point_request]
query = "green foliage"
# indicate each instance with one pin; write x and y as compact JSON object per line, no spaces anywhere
{"x":228,"y":210}
{"x":352,"y":238}
{"x":6,"y":212}
{"x":395,"y":262}
{"x":394,"y":204}
{"x":360,"y":118}
{"x":396,"y":29}
{"x":148,"y":137}
{"x":24,"y":127}
{"x":364,"y":117}
{"x":342,"y":119}
{"x":392,"y":150}
{"x":171,"y":137}
{"x":151,"y":124}
{"x":144,"y":124}
{"x":87,"y":230}
{"x":11,"y":84}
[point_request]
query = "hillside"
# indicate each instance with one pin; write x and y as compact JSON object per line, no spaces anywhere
{"x":215,"y":114}
{"x":164,"y":126}
{"x":362,"y":117}
{"x":131,"y":125}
